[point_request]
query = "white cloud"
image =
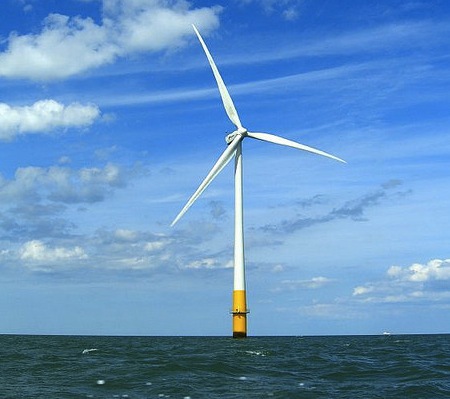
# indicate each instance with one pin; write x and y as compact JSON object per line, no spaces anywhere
{"x":362,"y":290}
{"x":44,"y":116}
{"x":37,"y":251}
{"x":152,"y":26}
{"x":113,"y":250}
{"x":155,"y":245}
{"x":65,"y":47}
{"x":68,"y":45}
{"x":278,"y":268}
{"x":313,"y":283}
{"x":415,"y":283}
{"x":435,"y":269}
{"x":208,"y":263}
{"x":125,"y":234}
{"x":125,"y":249}
{"x":61,"y":184}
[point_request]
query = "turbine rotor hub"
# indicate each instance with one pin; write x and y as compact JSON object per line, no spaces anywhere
{"x":242,"y":131}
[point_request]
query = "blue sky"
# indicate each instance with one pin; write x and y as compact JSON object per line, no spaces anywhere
{"x":110,"y":118}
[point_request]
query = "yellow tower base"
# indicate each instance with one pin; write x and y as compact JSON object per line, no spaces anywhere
{"x":239,"y":313}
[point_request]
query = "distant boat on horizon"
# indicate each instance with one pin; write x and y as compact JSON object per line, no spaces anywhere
{"x":386,"y":333}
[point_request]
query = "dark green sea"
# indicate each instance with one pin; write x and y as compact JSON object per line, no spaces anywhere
{"x":396,"y":366}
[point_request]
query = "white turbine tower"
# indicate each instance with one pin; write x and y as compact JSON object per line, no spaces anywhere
{"x":234,"y":148}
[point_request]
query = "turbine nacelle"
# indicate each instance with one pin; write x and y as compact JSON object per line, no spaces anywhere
{"x":242,"y":131}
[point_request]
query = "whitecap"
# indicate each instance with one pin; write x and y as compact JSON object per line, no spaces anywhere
{"x":256,"y":353}
{"x":101,"y":382}
{"x":305,"y":386}
{"x":89,"y":350}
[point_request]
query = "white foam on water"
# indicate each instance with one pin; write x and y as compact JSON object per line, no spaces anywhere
{"x":101,"y":382}
{"x":256,"y":353}
{"x":85,"y":351}
{"x":307,"y":387}
{"x":242,"y":378}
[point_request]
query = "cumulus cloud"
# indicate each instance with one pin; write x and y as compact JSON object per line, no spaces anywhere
{"x":424,"y":282}
{"x":61,"y":184}
{"x":44,"y":256}
{"x":34,"y":201}
{"x":114,"y":250}
{"x":37,"y":251}
{"x":362,"y":290}
{"x":35,"y":229}
{"x":125,"y":234}
{"x":120,"y":250}
{"x":435,"y":269}
{"x":154,"y":246}
{"x":44,"y":116}
{"x":127,"y":249}
{"x":67,"y":45}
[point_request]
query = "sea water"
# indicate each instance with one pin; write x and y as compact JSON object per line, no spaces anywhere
{"x":396,"y":366}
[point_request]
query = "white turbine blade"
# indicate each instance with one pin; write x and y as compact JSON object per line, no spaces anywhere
{"x":223,"y":161}
{"x":230,"y":109}
{"x":271,"y":138}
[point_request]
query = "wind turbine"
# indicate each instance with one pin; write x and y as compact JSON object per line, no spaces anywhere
{"x":234,"y":149}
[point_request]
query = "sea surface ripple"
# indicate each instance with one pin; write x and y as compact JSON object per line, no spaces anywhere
{"x":396,"y":366}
